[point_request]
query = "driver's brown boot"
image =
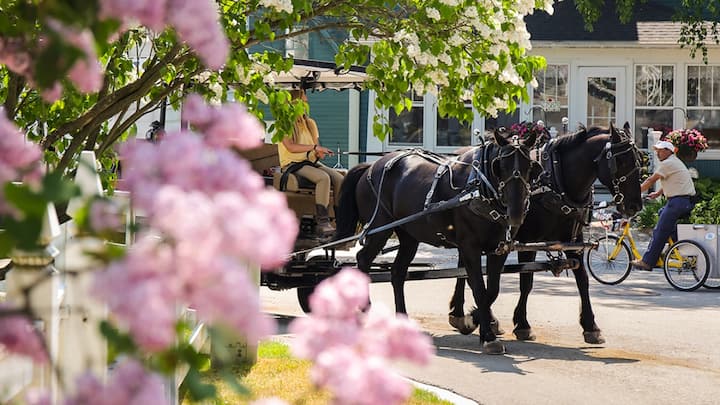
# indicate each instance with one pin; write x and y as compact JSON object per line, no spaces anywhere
{"x":323,"y":226}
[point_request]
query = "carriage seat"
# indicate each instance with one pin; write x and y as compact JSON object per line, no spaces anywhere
{"x":295,"y":183}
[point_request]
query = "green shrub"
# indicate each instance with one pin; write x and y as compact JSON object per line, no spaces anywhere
{"x":648,"y":217}
{"x":706,"y":211}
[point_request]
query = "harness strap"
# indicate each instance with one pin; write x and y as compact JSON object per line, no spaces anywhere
{"x":292,"y":168}
{"x":438,"y":174}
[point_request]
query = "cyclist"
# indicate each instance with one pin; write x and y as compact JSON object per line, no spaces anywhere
{"x":677,"y":186}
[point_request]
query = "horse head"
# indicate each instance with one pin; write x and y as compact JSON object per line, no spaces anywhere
{"x":619,"y":170}
{"x":512,"y":167}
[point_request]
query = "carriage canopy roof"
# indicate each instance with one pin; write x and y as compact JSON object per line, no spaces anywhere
{"x":318,"y":76}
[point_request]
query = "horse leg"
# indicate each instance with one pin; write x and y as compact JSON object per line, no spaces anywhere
{"x":368,"y":253}
{"x":591,"y":332}
{"x":481,"y":315}
{"x":457,"y":317}
{"x":495,"y":265}
{"x":523,"y":330}
{"x":399,"y":269}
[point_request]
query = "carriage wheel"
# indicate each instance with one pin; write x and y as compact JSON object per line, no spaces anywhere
{"x":686,"y":266}
{"x":303,"y":296}
{"x":609,"y":262}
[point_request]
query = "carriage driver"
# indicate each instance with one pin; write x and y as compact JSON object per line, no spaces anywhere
{"x":300,"y":154}
{"x":678,"y":187}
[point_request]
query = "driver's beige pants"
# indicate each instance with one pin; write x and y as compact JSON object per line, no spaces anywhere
{"x":323,"y":177}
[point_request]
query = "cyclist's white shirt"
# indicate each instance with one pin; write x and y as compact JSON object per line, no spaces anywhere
{"x":675,"y":177}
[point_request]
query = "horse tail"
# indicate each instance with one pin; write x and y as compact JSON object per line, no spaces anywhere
{"x":347,"y":213}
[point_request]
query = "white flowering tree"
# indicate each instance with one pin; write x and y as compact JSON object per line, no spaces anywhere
{"x":457,"y":49}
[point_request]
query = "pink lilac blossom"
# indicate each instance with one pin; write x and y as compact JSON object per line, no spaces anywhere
{"x":155,"y":278}
{"x":37,"y":396}
{"x":128,"y":384}
{"x":351,"y":350}
{"x":18,"y":335}
{"x":183,"y":160}
{"x":86,"y":73}
{"x":358,"y":379}
{"x":141,"y":290}
{"x":349,"y":287}
{"x":148,"y":13}
{"x":197,"y":23}
{"x":14,"y":55}
{"x":53,"y":93}
{"x":224,"y":126}
{"x":105,"y":215}
{"x":19,"y":159}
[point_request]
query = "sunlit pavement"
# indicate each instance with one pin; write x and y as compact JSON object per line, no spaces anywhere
{"x":663,"y":345}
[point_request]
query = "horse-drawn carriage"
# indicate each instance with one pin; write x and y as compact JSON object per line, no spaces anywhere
{"x":490,"y":200}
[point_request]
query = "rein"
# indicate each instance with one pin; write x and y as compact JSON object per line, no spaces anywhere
{"x":610,"y":157}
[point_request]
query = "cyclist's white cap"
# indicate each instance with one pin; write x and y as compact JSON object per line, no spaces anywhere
{"x":665,"y":145}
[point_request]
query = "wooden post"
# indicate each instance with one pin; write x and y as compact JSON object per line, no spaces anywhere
{"x":83,"y":348}
{"x":244,"y":351}
{"x":34,"y":270}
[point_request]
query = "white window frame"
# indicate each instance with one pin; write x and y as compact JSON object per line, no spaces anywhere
{"x":712,"y":153}
{"x":675,"y":93}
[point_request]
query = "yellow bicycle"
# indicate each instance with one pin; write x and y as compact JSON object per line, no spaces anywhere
{"x":685,"y":262}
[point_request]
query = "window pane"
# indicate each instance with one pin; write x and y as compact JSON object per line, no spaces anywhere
{"x":708,"y":122}
{"x":692,"y":86}
{"x":451,"y":132}
{"x":562,"y":77}
{"x":659,"y":120}
{"x":715,"y":85}
{"x":667,"y":86}
{"x":407,"y":128}
{"x":705,"y":86}
{"x":552,"y":84}
{"x":653,"y":85}
{"x":553,"y":119}
{"x":601,"y":101}
{"x":503,"y":120}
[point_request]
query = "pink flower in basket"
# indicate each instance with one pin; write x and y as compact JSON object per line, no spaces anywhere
{"x":688,"y":138}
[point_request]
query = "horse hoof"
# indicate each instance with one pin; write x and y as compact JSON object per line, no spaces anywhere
{"x":495,"y":328}
{"x":594,"y":337}
{"x":463,"y":324}
{"x":524,"y":334}
{"x":494,"y":347}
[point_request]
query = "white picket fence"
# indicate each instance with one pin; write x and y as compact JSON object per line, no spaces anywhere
{"x":68,"y":315}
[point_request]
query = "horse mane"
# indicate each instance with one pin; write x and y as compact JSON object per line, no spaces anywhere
{"x":581,"y":135}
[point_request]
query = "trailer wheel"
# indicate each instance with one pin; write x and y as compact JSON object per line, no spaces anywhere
{"x":303,"y":295}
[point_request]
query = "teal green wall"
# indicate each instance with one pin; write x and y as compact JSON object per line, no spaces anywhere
{"x":707,"y":168}
{"x":330,"y":110}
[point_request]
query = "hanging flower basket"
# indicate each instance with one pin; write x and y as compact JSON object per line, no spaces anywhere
{"x":686,"y":153}
{"x":688,"y":142}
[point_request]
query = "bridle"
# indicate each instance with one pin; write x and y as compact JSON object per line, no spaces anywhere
{"x":610,"y":153}
{"x":516,"y":153}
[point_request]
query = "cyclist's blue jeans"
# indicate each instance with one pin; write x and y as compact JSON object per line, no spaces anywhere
{"x":675,"y":208}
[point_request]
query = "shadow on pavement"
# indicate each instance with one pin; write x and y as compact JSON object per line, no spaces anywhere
{"x":467,"y":350}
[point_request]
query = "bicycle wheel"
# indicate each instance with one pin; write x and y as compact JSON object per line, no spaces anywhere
{"x":609,"y":262}
{"x":686,"y":265}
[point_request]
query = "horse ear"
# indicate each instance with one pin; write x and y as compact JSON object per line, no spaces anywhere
{"x":615,"y":136}
{"x":626,"y":129}
{"x":499,"y":138}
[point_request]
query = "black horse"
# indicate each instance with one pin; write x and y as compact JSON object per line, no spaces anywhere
{"x":494,"y":178}
{"x":562,"y":206}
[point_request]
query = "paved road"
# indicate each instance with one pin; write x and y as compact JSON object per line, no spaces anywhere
{"x":663,"y":346}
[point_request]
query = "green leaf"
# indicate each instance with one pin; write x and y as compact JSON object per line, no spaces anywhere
{"x":197,"y":389}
